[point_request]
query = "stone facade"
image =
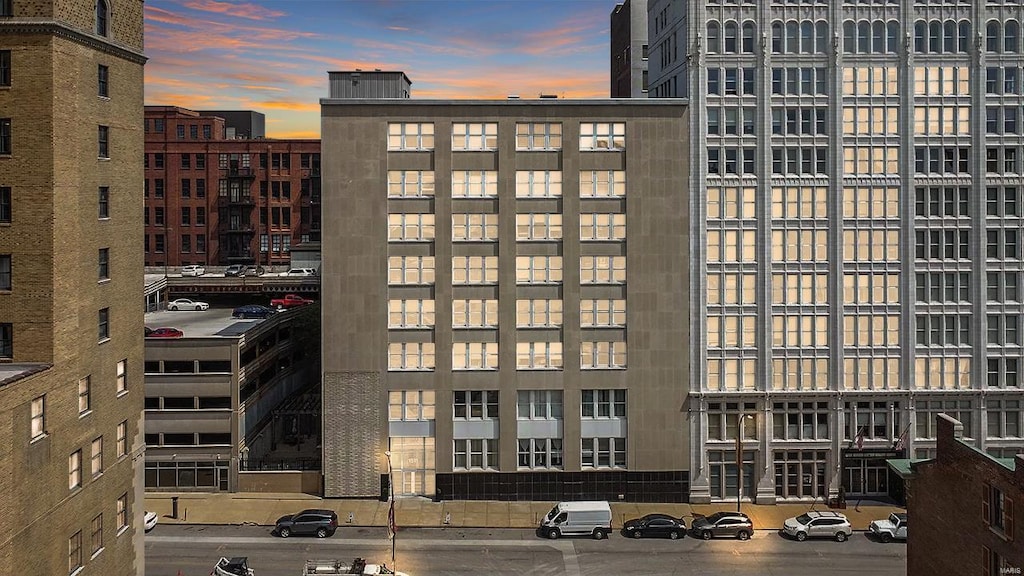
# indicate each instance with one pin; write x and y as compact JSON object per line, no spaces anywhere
{"x":54,"y":237}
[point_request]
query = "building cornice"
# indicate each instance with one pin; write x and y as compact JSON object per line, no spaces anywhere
{"x":52,"y":28}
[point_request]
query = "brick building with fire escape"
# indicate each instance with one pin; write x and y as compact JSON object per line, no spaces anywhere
{"x":217,"y":192}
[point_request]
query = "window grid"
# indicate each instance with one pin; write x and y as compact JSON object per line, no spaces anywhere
{"x":602,"y":136}
{"x":539,"y":184}
{"x":410,"y":356}
{"x":538,"y":355}
{"x":474,"y":313}
{"x":538,"y":136}
{"x":602,"y":355}
{"x":538,"y":313}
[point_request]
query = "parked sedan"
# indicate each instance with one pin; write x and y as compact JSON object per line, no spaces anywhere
{"x":252,"y":311}
{"x":655,"y":526}
{"x":732,"y":524}
{"x":193,"y":270}
{"x":165,"y":333}
{"x":186,"y":304}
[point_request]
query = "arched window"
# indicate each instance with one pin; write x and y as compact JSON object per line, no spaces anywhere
{"x":965,"y":36}
{"x":806,"y":37}
{"x":102,"y":13}
{"x":893,"y":30}
{"x":714,"y":37}
{"x":821,"y":36}
{"x":934,"y":36}
{"x":992,"y":36}
{"x":949,"y":36}
{"x":878,"y":36}
{"x":920,"y":33}
{"x":730,"y":38}
{"x":792,"y":37}
{"x":1011,"y":37}
{"x":863,"y":37}
{"x":849,"y":37}
{"x":748,"y":38}
{"x":777,"y":37}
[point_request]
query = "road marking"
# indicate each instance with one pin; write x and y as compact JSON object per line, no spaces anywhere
{"x":567,"y":549}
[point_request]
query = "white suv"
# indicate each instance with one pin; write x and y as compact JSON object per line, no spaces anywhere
{"x":818,"y":525}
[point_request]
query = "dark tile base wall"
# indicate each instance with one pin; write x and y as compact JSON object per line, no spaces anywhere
{"x":672,"y":486}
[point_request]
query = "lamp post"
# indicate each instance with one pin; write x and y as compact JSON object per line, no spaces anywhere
{"x":392,"y":529}
{"x":739,"y":461}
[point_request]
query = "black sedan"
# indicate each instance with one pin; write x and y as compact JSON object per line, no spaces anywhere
{"x":655,"y":526}
{"x":252,"y":311}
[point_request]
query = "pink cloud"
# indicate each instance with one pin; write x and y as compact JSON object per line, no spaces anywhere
{"x":241,"y":10}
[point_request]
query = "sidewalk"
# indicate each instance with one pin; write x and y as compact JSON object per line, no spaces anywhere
{"x":264,"y":509}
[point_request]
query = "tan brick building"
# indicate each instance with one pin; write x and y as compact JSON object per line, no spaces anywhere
{"x":504,"y":294}
{"x":71,"y":91}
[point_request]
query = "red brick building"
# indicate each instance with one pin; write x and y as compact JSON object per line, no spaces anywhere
{"x":218,"y":193}
{"x":961,"y":508}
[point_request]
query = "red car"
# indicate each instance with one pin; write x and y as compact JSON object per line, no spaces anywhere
{"x":290,"y":301}
{"x":164,"y":333}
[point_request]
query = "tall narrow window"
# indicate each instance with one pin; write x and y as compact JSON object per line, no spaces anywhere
{"x":101,"y":17}
{"x":122,"y":512}
{"x":6,"y":8}
{"x":75,"y":552}
{"x":5,"y":272}
{"x":104,"y":324}
{"x":75,"y":470}
{"x":84,"y":395}
{"x":38,"y":416}
{"x":122,"y":439}
{"x":104,"y":264}
{"x":5,"y":67}
{"x":96,"y":462}
{"x":5,"y":135}
{"x":104,"y":202}
{"x":6,"y":340}
{"x":122,"y":376}
{"x":102,"y":78}
{"x":104,"y":141}
{"x":97,"y":534}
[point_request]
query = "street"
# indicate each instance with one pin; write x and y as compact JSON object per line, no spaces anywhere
{"x":192,"y":551}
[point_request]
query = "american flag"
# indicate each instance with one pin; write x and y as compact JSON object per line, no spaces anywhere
{"x":859,"y":441}
{"x":392,"y":528}
{"x":901,"y":442}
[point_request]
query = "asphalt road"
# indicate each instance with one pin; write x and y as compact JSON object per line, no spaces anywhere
{"x":192,"y":551}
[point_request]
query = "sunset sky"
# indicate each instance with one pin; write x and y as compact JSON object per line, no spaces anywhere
{"x":273,"y":56}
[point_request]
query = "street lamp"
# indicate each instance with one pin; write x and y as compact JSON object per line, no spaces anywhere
{"x":739,"y":460}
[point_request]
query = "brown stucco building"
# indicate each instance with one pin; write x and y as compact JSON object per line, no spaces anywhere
{"x":965,"y":508}
{"x":70,"y":272}
{"x":218,"y":192}
{"x":504,"y":294}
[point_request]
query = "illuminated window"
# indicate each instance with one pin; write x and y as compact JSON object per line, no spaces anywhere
{"x":410,"y":136}
{"x":538,"y":269}
{"x":474,"y":183}
{"x":538,"y":183}
{"x":602,"y":136}
{"x":602,"y":269}
{"x":410,"y":183}
{"x":602,"y":183}
{"x":538,"y":313}
{"x":538,"y":136}
{"x":474,"y":136}
{"x":474,"y":269}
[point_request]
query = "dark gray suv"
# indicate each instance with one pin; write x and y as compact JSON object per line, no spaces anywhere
{"x":322,"y":523}
{"x":732,"y":524}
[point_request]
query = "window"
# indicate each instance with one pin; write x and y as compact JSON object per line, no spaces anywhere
{"x":5,"y":204}
{"x":5,"y":136}
{"x":97,"y":534}
{"x":475,"y":356}
{"x":602,"y":226}
{"x":602,"y":355}
{"x":104,"y":141}
{"x":474,"y":183}
{"x":539,"y":405}
{"x":538,"y":313}
{"x":603,"y":404}
{"x":75,"y":552}
{"x":75,"y":470}
{"x":475,"y":404}
{"x":104,"y":202}
{"x":122,"y":376}
{"x":410,"y":183}
{"x":122,"y":439}
{"x":410,"y":227}
{"x":104,"y":324}
{"x":603,"y":453}
{"x":538,"y":269}
{"x":540,"y":453}
{"x":411,"y":356}
{"x":538,"y":226}
{"x":724,"y":420}
{"x":799,"y":421}
{"x":543,"y":136}
{"x":602,"y":269}
{"x":6,"y":281}
{"x":122,"y":513}
{"x":602,"y":183}
{"x":871,"y":420}
{"x":474,"y":269}
{"x":102,"y":14}
{"x":38,"y":417}
{"x":410,"y":136}
{"x":602,"y":136}
{"x":1004,"y":418}
{"x":84,"y":395}
{"x":102,"y":80}
{"x":799,"y":81}
{"x":104,"y":264}
{"x":928,"y":410}
{"x":6,"y":340}
{"x":474,"y":313}
{"x":5,"y":67}
{"x":538,"y":355}
{"x":410,"y":405}
{"x":96,"y":464}
{"x":539,"y":184}
{"x":477,"y":454}
{"x":997,"y":510}
{"x":410,"y":270}
{"x":410,"y":313}
{"x":474,"y":136}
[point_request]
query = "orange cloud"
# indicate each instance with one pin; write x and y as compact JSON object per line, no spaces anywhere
{"x":241,"y":10}
{"x":291,"y":105}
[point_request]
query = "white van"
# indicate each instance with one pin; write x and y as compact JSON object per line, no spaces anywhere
{"x":578,"y":518}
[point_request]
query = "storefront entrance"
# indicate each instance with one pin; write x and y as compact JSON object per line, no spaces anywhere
{"x":865,"y":472}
